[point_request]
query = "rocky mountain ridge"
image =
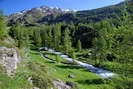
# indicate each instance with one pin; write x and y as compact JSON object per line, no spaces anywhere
{"x":52,"y":15}
{"x":35,"y":14}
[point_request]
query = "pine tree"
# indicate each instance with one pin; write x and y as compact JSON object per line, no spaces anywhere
{"x":37,"y":38}
{"x":73,"y":55}
{"x":57,"y":36}
{"x":20,"y":34}
{"x":50,"y":38}
{"x":79,"y":46}
{"x":44,"y":37}
{"x":67,"y":44}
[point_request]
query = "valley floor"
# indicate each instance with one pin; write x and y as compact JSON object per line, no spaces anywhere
{"x":83,"y":79}
{"x":42,"y":71}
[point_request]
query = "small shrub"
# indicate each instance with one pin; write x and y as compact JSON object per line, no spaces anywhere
{"x":58,"y":59}
{"x":39,"y":74}
{"x":122,"y":83}
{"x":41,"y":81}
{"x":105,"y":87}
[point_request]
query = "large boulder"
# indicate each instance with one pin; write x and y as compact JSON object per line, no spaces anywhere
{"x":58,"y":84}
{"x":9,"y":58}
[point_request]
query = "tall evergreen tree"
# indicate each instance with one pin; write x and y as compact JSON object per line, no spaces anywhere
{"x":67,"y":44}
{"x":20,"y":34}
{"x":37,"y":38}
{"x":79,"y":46}
{"x":44,"y":36}
{"x":50,"y":38}
{"x":57,"y":36}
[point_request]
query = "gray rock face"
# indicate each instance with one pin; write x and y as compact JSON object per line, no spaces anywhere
{"x":9,"y":59}
{"x":73,"y":85}
{"x":61,"y":85}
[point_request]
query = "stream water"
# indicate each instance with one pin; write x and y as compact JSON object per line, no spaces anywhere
{"x":99,"y":71}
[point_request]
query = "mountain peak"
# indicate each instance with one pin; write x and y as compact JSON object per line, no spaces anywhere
{"x":35,"y":14}
{"x":44,"y":11}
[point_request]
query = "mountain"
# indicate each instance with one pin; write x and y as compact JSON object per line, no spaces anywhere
{"x":52,"y":15}
{"x":35,"y":14}
{"x":104,"y":44}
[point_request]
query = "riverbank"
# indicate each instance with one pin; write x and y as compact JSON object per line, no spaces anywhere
{"x":99,"y":71}
{"x":83,"y":78}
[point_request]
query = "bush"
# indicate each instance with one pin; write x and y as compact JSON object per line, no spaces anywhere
{"x":41,"y":81}
{"x":39,"y":75}
{"x":3,"y":30}
{"x":58,"y":59}
{"x":122,"y":83}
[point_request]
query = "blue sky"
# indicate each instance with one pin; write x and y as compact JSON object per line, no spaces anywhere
{"x":12,"y":6}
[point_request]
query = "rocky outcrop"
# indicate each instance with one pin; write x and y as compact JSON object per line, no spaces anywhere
{"x":9,"y":59}
{"x":56,"y":84}
{"x":61,"y":85}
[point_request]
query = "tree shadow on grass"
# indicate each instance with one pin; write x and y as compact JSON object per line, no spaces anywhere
{"x":49,"y":54}
{"x":51,"y":62}
{"x":34,"y":52}
{"x":92,"y":81}
{"x":69,"y":66}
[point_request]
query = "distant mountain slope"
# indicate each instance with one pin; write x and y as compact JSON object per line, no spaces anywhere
{"x":95,"y":15}
{"x":50,"y":15}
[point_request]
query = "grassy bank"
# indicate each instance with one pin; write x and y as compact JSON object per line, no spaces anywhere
{"x":88,"y":80}
{"x":43,"y":72}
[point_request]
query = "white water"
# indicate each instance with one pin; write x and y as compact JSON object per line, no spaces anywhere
{"x":99,"y":71}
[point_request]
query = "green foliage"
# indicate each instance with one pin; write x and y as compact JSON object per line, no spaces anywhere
{"x":58,"y":59}
{"x":67,"y":45}
{"x":37,"y":38}
{"x":3,"y":28}
{"x":122,"y":83}
{"x":114,"y":43}
{"x":72,"y":54}
{"x":84,"y":81}
{"x":110,"y":45}
{"x":50,"y":38}
{"x":16,"y":82}
{"x":57,"y":36}
{"x":39,"y":75}
{"x":21,"y":35}
{"x":46,"y":36}
{"x":79,"y":46}
{"x":6,"y":44}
